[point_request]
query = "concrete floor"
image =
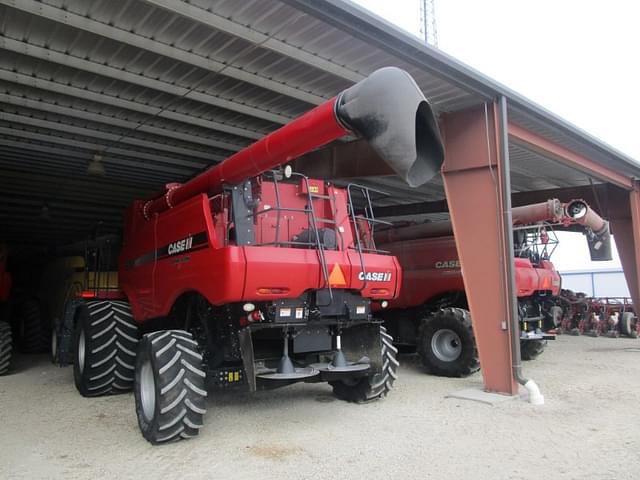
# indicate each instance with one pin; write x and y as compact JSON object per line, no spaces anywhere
{"x":589,"y":427}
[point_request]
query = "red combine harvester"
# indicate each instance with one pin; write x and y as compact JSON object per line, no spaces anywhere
{"x":6,"y":344}
{"x":431,"y":313}
{"x":259,"y":278}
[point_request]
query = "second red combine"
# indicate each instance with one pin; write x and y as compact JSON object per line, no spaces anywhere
{"x":251,"y":275}
{"x":432,"y":314}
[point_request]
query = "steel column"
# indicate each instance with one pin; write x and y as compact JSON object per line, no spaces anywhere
{"x":473,"y":173}
{"x":624,"y":217}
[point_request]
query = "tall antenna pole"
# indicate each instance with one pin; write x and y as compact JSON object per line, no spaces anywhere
{"x":428,"y":22}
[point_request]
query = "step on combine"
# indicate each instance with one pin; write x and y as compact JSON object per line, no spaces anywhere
{"x":250,"y":275}
{"x":432,"y":315}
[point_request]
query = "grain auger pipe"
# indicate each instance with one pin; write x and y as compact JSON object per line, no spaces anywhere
{"x":574,"y":212}
{"x":387,"y":109}
{"x":597,"y":229}
{"x":553,"y":210}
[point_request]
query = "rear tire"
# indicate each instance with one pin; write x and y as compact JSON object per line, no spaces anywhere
{"x":555,"y":316}
{"x":54,"y":345}
{"x":6,"y":347}
{"x":169,"y":387}
{"x":106,"y":340}
{"x":375,"y":386}
{"x":626,"y":324}
{"x":33,"y":336}
{"x":532,"y":349}
{"x":446,"y":344}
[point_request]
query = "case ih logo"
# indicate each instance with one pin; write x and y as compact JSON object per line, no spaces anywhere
{"x":180,"y":246}
{"x":448,"y":264}
{"x":375,"y":276}
{"x":191,"y":243}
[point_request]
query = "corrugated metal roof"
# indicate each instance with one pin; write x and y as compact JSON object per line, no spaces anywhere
{"x":162,"y":88}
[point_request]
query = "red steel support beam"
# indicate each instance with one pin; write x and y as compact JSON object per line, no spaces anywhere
{"x":531,"y":141}
{"x":472,"y":175}
{"x":624,"y":217}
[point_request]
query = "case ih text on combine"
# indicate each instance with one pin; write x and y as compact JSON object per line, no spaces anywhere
{"x":258,"y":278}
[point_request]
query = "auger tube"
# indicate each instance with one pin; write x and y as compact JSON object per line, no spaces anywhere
{"x":387,"y":109}
{"x":553,"y":210}
{"x":598,"y":232}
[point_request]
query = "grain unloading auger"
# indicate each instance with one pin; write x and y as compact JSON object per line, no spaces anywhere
{"x":247,"y":276}
{"x":387,"y":109}
{"x":575,"y":212}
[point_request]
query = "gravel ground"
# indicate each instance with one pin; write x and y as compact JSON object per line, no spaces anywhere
{"x":589,"y":427}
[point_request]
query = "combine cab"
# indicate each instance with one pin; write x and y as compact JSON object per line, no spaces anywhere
{"x":431,"y":313}
{"x":259,"y":278}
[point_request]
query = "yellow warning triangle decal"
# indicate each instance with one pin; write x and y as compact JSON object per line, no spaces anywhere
{"x":336,"y":278}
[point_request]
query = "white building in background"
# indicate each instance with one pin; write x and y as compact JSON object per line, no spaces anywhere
{"x":608,"y":282}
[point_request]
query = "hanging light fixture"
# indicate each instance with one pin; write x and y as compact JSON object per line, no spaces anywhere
{"x":96,"y":167}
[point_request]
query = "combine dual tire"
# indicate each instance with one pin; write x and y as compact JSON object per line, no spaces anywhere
{"x":446,"y":344}
{"x":169,"y":387}
{"x":531,"y":349}
{"x":33,"y":336}
{"x":106,"y":340}
{"x":377,"y":386}
{"x":6,"y":347}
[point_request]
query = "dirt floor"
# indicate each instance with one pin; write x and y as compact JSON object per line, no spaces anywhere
{"x":589,"y":427}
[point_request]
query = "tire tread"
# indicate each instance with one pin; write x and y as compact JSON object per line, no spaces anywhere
{"x":459,"y":320}
{"x":377,"y":386}
{"x":109,"y":354}
{"x":6,"y":347}
{"x":180,"y":387}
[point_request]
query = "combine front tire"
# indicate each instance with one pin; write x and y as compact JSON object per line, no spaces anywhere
{"x":377,"y":386}
{"x":531,"y":349}
{"x":170,"y":386}
{"x":6,"y":347}
{"x":446,"y":344}
{"x":106,"y":340}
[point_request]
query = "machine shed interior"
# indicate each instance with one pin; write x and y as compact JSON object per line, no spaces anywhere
{"x":158,"y":90}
